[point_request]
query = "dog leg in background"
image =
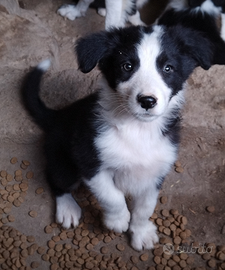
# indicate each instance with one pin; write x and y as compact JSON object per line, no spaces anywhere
{"x":115,"y":14}
{"x":72,"y":12}
{"x":111,"y":199}
{"x":136,"y":18}
{"x":143,"y":231}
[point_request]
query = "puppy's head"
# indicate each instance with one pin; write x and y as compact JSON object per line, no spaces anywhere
{"x":145,"y":67}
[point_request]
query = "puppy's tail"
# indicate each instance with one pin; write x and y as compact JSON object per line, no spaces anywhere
{"x":43,"y":116}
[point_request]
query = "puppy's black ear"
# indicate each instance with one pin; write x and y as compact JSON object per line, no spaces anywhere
{"x":195,"y":44}
{"x":90,"y":50}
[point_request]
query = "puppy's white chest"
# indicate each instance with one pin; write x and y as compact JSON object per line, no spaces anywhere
{"x":134,"y":145}
{"x":138,"y":155}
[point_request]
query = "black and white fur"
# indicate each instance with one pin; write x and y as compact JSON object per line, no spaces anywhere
{"x":122,"y":139}
{"x":117,"y":12}
{"x":201,"y":15}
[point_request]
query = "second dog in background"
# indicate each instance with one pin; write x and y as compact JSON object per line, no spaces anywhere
{"x":187,"y":12}
{"x":200,"y":15}
{"x":117,"y":12}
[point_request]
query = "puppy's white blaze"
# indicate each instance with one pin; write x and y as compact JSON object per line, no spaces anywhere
{"x":68,"y":212}
{"x":147,"y":80}
{"x":44,"y":65}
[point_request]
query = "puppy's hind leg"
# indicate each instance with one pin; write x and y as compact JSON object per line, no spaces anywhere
{"x":63,"y":178}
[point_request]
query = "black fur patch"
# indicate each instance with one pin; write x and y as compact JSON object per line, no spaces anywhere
{"x":111,"y":50}
{"x":70,"y":150}
{"x":182,"y":52}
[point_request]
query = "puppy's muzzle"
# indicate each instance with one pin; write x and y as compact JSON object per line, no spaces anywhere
{"x":147,"y":102}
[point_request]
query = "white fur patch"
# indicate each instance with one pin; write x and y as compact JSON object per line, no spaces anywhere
{"x":177,"y":4}
{"x":140,"y":3}
{"x":209,"y":7}
{"x":115,"y":14}
{"x":143,"y":236}
{"x":69,"y":11}
{"x":143,"y":231}
{"x":68,"y":212}
{"x":102,"y":12}
{"x":72,"y":12}
{"x":111,"y":199}
{"x":136,"y":19}
{"x":44,"y":65}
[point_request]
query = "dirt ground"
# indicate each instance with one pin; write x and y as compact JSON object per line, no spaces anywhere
{"x":31,"y":31}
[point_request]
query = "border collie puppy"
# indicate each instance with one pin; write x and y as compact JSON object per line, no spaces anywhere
{"x":201,"y":15}
{"x":117,"y":12}
{"x":122,"y":139}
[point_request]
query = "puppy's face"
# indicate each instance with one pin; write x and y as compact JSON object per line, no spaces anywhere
{"x":144,"y":67}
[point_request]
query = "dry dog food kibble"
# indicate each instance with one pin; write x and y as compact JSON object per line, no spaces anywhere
{"x":144,"y":257}
{"x":210,"y":209}
{"x":39,"y":190}
{"x":120,"y":247}
{"x":13,"y":160}
{"x":163,"y":199}
{"x":30,"y":175}
{"x":89,"y":246}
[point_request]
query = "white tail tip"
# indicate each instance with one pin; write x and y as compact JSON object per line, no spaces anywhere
{"x":44,"y":65}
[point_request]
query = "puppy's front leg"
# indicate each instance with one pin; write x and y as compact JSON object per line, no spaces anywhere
{"x":111,"y":199}
{"x":143,"y":231}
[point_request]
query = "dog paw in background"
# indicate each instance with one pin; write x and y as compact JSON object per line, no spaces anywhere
{"x":116,"y":13}
{"x":69,"y":12}
{"x":72,"y":12}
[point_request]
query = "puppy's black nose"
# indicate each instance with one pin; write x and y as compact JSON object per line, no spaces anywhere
{"x":147,"y":102}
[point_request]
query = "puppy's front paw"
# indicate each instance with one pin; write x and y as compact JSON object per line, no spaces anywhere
{"x":118,"y":222}
{"x":143,"y":236}
{"x":70,"y":12}
{"x":68,"y":212}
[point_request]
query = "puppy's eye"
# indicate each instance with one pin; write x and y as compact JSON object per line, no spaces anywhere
{"x":168,"y":68}
{"x":127,"y":67}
